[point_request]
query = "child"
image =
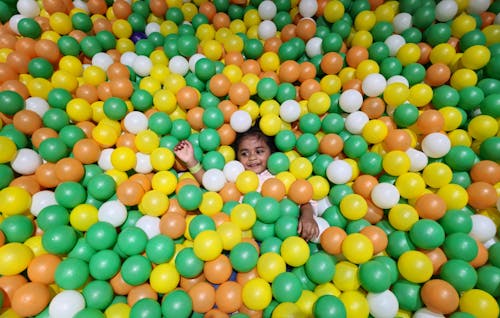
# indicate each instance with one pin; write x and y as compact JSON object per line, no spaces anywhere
{"x":252,"y":149}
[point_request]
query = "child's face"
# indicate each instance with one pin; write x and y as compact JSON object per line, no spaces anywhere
{"x":253,"y":153}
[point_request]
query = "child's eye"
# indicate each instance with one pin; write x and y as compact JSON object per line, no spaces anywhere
{"x":244,"y":153}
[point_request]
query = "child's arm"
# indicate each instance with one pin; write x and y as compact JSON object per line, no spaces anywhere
{"x":308,"y":228}
{"x":185,"y":152}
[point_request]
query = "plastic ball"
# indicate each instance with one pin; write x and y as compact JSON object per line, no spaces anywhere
{"x":478,"y":302}
{"x":415,"y":266}
{"x":256,"y":294}
{"x":383,"y":305}
{"x":357,"y":248}
{"x":66,"y":303}
{"x":385,"y":195}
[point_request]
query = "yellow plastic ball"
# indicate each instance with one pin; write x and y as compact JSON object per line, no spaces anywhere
{"x":328,"y":288}
{"x":287,"y":309}
{"x":442,"y":53}
{"x":334,"y":11}
{"x":118,"y":176}
{"x":306,"y":302}
{"x":14,"y":258}
{"x":452,"y":117}
{"x":212,"y":49}
{"x":125,"y":45}
{"x":14,"y":200}
{"x":287,"y":178}
{"x":39,"y":87}
{"x":270,"y":124}
{"x":207,"y":245}
{"x":247,"y":181}
{"x":410,"y":185}
{"x":8,"y":149}
{"x":158,"y":57}
{"x":121,"y":29}
{"x":230,"y":234}
{"x":164,"y":278}
{"x":165,"y":101}
{"x":476,"y":57}
{"x":94,"y":75}
{"x":60,"y":23}
{"x":174,"y":82}
{"x":211,"y":203}
{"x":415,"y":266}
{"x":353,"y":206}
{"x":71,"y":64}
{"x":462,"y":24}
{"x":164,"y":181}
{"x":251,"y":80}
{"x":403,"y":216}
{"x":386,"y":12}
{"x":233,"y":73}
{"x":463,"y":78}
{"x":36,"y":246}
{"x":256,"y":294}
{"x":162,"y":159}
{"x":455,"y":196}
{"x":118,"y":310}
{"x":321,"y":187}
{"x":396,"y":94}
{"x":269,"y":61}
{"x":269,"y":107}
{"x":123,"y":158}
{"x":346,"y":276}
{"x":437,"y":174}
{"x":251,"y":18}
{"x":408,"y":53}
{"x":482,"y":127}
{"x":362,"y":38}
{"x":355,"y":303}
{"x":227,"y":152}
{"x":396,"y":162}
{"x":365,"y":20}
{"x":233,"y":44}
{"x":479,"y":303}
{"x":374,"y":131}
{"x":270,"y":265}
{"x":459,"y":137}
{"x":492,"y":34}
{"x":98,"y":111}
{"x":238,"y":26}
{"x":154,"y":203}
{"x":330,"y":84}
{"x":65,"y":80}
{"x":146,"y":141}
{"x":295,"y":251}
{"x":79,"y":109}
{"x":253,"y":109}
{"x":366,"y":68}
{"x":319,"y":103}
{"x":244,"y":216}
{"x":83,"y":216}
{"x":301,"y":168}
{"x":420,"y":94}
{"x":357,"y":248}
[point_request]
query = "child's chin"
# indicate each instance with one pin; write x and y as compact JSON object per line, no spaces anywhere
{"x":257,"y":170}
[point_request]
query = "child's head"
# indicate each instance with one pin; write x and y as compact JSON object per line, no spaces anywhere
{"x":253,"y":148}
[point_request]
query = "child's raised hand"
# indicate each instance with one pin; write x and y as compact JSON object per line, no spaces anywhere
{"x":185,"y":152}
{"x":308,"y":228}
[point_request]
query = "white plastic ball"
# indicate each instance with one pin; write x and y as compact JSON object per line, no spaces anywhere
{"x":446,"y":10}
{"x":418,"y":159}
{"x":80,"y":4}
{"x":135,"y":122}
{"x":142,"y":66}
{"x":266,"y":30}
{"x":26,"y":161}
{"x":373,"y":84}
{"x":314,"y":46}
{"x":37,"y":105}
{"x":394,"y":42}
{"x":14,"y":21}
{"x":178,"y":65}
{"x":28,"y":8}
{"x":104,"y":161}
{"x":149,"y":224}
{"x":308,"y":8}
{"x":152,"y":27}
{"x":350,"y":100}
{"x":490,"y":242}
{"x":113,"y":212}
{"x":267,"y":10}
{"x":322,"y":226}
{"x":240,"y":121}
{"x":193,"y":60}
{"x":385,"y":195}
{"x":290,"y":110}
{"x":339,"y":172}
{"x":401,"y":22}
{"x":213,"y":180}
{"x":356,"y":121}
{"x":66,"y":303}
{"x":103,"y":60}
{"x":483,"y":228}
{"x":143,"y":163}
{"x":232,"y":170}
{"x":383,"y":305}
{"x":398,"y":79}
{"x":128,"y":58}
{"x":41,"y":200}
{"x":436,"y":145}
{"x":478,"y":6}
{"x":426,"y":313}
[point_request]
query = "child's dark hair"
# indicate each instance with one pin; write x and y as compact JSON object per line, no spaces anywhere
{"x":254,"y":131}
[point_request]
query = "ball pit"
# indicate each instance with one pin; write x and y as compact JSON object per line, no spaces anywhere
{"x":384,"y":112}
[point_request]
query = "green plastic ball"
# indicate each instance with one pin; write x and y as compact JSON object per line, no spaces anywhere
{"x":71,"y":273}
{"x":243,"y":257}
